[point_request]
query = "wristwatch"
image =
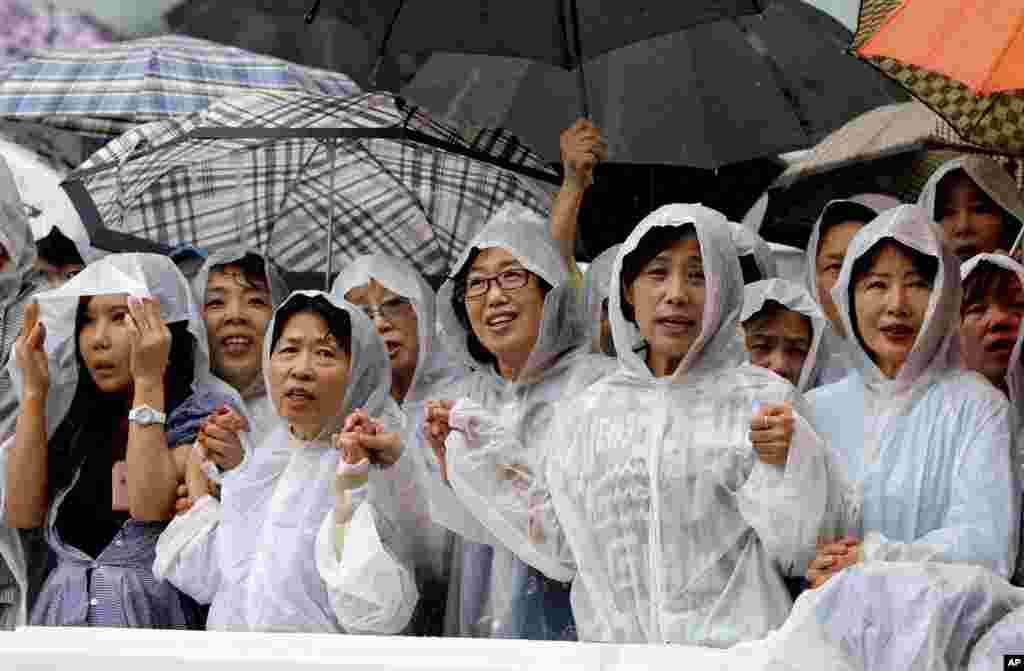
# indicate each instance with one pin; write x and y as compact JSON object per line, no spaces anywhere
{"x":145,"y":416}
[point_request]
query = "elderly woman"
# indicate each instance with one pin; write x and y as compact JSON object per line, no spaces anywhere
{"x":663,"y":493}
{"x":510,"y":313}
{"x":976,"y":203}
{"x":121,"y":350}
{"x":277,"y":553}
{"x":926,"y":442}
{"x":402,"y":307}
{"x":838,"y":223}
{"x":783,"y":328}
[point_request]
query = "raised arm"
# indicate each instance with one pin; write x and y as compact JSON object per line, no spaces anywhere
{"x":25,"y":497}
{"x":581,"y":148}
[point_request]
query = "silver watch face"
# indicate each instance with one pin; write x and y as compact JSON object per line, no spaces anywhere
{"x":146,"y":416}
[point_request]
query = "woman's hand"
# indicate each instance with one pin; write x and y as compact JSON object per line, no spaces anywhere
{"x":30,"y":356}
{"x":197,"y":485}
{"x":582,"y":148}
{"x":365,"y":438}
{"x":437,"y":430}
{"x":151,"y":343}
{"x":219,"y":437}
{"x":771,"y":432}
{"x":832,"y":558}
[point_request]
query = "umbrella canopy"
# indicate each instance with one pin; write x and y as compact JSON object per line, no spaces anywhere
{"x":892,"y":150}
{"x":27,"y":26}
{"x":561,"y":33}
{"x":706,"y":97}
{"x":258,"y":171}
{"x":107,"y":91}
{"x":137,"y":18}
{"x":925,"y":38}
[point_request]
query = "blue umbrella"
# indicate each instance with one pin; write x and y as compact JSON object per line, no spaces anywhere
{"x":107,"y":91}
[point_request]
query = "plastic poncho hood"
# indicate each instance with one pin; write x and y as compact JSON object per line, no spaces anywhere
{"x":15,"y":236}
{"x":369,"y":381}
{"x":140,"y":275}
{"x":524,"y":234}
{"x":749,"y":243}
{"x":401,"y":277}
{"x":794,"y":297}
{"x":717,"y":345}
{"x":987,"y":174}
{"x":936,"y":348}
{"x":596,"y":287}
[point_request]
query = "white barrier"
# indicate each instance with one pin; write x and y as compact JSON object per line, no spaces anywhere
{"x":51,"y":649}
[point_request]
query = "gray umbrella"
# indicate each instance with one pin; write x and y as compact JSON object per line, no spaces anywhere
{"x":708,"y":96}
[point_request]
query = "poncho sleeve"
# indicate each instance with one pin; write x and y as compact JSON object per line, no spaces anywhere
{"x":981,"y":523}
{"x":505,"y":487}
{"x":368,"y":563}
{"x":186,"y":553}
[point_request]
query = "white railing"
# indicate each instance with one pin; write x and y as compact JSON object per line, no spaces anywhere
{"x":67,"y":649}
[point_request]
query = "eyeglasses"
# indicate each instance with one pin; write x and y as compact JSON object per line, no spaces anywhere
{"x":388,"y":310}
{"x":476,"y":286}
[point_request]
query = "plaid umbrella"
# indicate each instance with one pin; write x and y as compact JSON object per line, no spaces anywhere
{"x":993,"y":121}
{"x":24,"y":28}
{"x":273,"y":170}
{"x":108,"y":91}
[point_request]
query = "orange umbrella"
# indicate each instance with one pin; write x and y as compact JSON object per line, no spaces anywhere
{"x":977,"y":42}
{"x":929,"y":45}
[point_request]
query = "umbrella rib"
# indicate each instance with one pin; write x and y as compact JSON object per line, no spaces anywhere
{"x":289,"y":191}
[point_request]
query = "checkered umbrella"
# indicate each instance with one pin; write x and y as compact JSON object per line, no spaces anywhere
{"x":106,"y":91}
{"x":994,"y":121}
{"x":274,"y":170}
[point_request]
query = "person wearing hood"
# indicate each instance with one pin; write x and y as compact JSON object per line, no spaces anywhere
{"x":511,"y":314}
{"x":783,"y":328}
{"x":977,"y":204}
{"x":237,"y":293}
{"x":402,"y":306}
{"x":926,"y":442}
{"x":311,"y":524}
{"x":595,"y":299}
{"x":99,"y":364}
{"x":991,"y":341}
{"x":670,"y":500}
{"x":838,"y":223}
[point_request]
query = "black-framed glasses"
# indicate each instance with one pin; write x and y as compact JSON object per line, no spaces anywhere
{"x":388,"y":310}
{"x":476,"y":286}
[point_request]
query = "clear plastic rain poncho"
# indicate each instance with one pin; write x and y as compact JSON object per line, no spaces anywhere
{"x":912,"y":616}
{"x":265,"y":555}
{"x":1015,"y":385}
{"x":647,"y":494}
{"x":121,"y":580}
{"x":834,"y":359}
{"x":749,"y":244}
{"x":987,"y":174}
{"x":497,"y":595}
{"x":595,"y":289}
{"x":434,"y":376}
{"x":254,"y":403}
{"x":929,"y":450}
{"x":794,"y":297}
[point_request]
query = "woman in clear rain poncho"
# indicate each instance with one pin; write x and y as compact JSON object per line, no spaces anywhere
{"x":402,"y":306}
{"x":123,"y":334}
{"x":267,"y":556}
{"x":595,"y":299}
{"x":783,"y":328}
{"x":926,"y":441}
{"x":991,"y":342}
{"x":976,"y":203}
{"x":511,"y":313}
{"x":647,"y":493}
{"x":237,"y":292}
{"x":838,"y":223}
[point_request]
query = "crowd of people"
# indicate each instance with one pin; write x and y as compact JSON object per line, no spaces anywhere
{"x":671,"y":448}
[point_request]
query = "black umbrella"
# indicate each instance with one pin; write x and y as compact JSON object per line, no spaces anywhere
{"x":562,"y":33}
{"x":708,"y":96}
